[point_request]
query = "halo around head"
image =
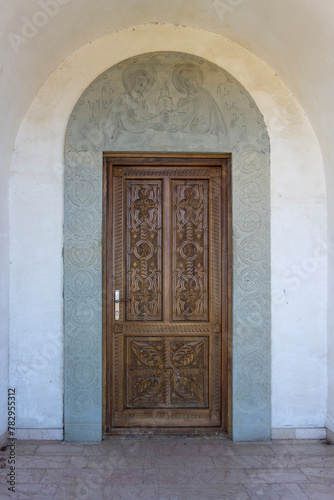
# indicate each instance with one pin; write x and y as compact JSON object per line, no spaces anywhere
{"x":130,"y":71}
{"x":186,"y":67}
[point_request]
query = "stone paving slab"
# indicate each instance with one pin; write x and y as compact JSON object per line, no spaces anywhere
{"x":170,"y":469}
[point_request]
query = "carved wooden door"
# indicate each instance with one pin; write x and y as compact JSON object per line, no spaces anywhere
{"x":166,"y":254}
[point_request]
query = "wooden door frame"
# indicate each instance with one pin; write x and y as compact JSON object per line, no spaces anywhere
{"x":170,"y":159}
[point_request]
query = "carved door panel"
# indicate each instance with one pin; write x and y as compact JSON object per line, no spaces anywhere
{"x":166,"y":252}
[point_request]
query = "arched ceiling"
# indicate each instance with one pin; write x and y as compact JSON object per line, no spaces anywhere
{"x":294,"y":37}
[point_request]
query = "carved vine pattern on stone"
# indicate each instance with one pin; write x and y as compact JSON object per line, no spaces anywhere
{"x":143,"y":256}
{"x":251,"y":318}
{"x":82,"y":255}
{"x":190,"y":250}
{"x":251,"y":399}
{"x":167,"y":373}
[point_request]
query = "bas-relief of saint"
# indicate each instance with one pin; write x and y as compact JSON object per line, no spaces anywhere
{"x":197,"y":114}
{"x":130,"y":111}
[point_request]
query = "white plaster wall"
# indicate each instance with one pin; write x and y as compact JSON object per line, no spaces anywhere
{"x":4,"y":292}
{"x":299,"y":266}
{"x":329,"y":161}
{"x":36,"y":339}
{"x":330,"y":408}
{"x":298,"y":224}
{"x":4,"y":283}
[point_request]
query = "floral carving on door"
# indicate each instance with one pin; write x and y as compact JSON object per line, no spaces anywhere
{"x":165,"y":354}
{"x":144,"y":250}
{"x":190,"y":250}
{"x":167,"y":372}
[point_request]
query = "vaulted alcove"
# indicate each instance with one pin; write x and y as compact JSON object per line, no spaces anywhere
{"x":183,"y":104}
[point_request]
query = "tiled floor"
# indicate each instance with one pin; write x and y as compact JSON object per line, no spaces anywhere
{"x":171,"y":469}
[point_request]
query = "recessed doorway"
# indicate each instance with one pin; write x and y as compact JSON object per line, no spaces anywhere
{"x":167,"y":293}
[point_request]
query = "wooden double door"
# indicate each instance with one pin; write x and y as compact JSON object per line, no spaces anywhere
{"x":167,"y":293}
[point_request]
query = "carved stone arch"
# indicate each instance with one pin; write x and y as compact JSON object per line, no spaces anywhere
{"x":162,"y":115}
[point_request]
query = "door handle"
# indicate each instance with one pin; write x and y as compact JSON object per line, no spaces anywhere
{"x":117,"y":301}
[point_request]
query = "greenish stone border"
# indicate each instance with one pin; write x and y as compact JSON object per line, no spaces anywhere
{"x":251,"y":403}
